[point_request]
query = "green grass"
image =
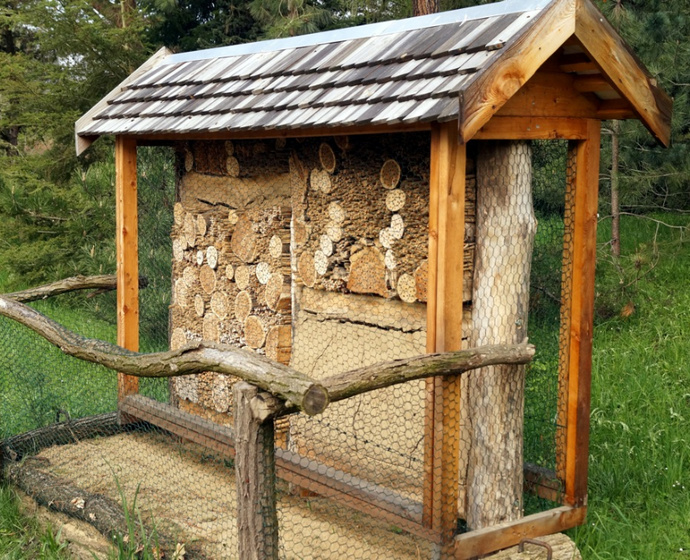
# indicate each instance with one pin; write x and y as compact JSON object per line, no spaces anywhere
{"x":639,"y":484}
{"x":21,"y":537}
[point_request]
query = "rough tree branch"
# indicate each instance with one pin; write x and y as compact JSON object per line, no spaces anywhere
{"x":295,"y":388}
{"x":99,"y":283}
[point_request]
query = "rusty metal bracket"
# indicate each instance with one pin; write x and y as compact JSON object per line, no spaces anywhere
{"x":547,"y":546}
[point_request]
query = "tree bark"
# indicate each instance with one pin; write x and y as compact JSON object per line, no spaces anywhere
{"x":100,"y":284}
{"x":505,"y":231}
{"x":282,"y":381}
{"x":257,"y":517}
{"x":424,"y":7}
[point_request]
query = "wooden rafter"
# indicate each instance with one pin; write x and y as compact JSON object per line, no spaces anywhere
{"x":497,"y":83}
{"x":624,"y":70}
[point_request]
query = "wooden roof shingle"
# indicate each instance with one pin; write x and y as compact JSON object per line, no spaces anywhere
{"x":429,"y":68}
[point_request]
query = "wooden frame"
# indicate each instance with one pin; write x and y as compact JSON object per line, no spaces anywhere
{"x":444,"y":328}
{"x":582,"y":314}
{"x":127,"y":253}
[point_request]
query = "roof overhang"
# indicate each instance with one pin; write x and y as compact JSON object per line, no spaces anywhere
{"x":562,"y":21}
{"x":512,"y":55}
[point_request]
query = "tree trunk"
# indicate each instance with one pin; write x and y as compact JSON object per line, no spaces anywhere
{"x":505,"y":232}
{"x":615,"y":202}
{"x":424,"y":7}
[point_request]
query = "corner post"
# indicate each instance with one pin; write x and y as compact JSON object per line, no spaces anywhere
{"x":586,"y":185}
{"x":127,"y":253}
{"x":257,"y":517}
{"x":444,"y":330}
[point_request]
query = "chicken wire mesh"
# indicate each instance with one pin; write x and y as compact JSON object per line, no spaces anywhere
{"x":315,"y":253}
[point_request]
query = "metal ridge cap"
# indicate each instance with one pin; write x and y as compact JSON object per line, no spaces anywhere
{"x":364,"y":31}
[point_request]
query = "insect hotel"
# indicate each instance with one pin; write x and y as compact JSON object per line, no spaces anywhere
{"x":364,"y":196}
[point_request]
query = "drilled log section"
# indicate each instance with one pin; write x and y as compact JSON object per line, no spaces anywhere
{"x":257,"y":517}
{"x":505,"y":231}
{"x":284,"y":382}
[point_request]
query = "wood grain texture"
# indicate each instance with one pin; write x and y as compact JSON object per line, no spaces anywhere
{"x":127,"y":254}
{"x":533,"y":128}
{"x":442,"y":414}
{"x":582,"y":315}
{"x":624,"y":70}
{"x":521,"y":58}
{"x":483,"y":541}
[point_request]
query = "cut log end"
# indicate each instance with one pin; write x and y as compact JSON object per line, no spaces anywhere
{"x":390,"y":174}
{"x":327,"y":157}
{"x":315,"y":400}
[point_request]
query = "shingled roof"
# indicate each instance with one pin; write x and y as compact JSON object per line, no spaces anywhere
{"x":400,"y":72}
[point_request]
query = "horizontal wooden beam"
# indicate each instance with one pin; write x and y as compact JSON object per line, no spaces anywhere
{"x":157,"y":139}
{"x":183,"y":424}
{"x":579,"y":62}
{"x":533,"y":128}
{"x":592,"y":83}
{"x":626,"y":73}
{"x":616,"y":109}
{"x":498,"y":537}
{"x":543,"y":482}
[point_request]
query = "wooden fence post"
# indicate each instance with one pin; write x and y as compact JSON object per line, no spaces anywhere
{"x":444,"y":331}
{"x":127,"y":252}
{"x":257,"y":518}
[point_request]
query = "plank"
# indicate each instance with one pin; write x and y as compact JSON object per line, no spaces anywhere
{"x":183,"y":424}
{"x":592,"y":83}
{"x":127,"y":255}
{"x":168,"y":138}
{"x":582,"y":315}
{"x":491,"y":539}
{"x":624,"y":70}
{"x":542,"y":482}
{"x":495,"y":84}
{"x":532,"y":128}
{"x":577,"y":62}
{"x":550,"y":94}
{"x":447,"y":234}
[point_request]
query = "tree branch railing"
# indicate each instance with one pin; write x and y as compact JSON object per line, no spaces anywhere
{"x":296,"y":390}
{"x":285,"y":390}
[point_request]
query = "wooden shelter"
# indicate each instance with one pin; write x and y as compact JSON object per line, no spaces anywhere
{"x":432,"y":90}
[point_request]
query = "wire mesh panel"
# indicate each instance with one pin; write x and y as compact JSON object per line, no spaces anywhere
{"x":314,"y":253}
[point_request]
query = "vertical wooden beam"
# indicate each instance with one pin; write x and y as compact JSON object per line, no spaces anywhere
{"x":257,"y":517}
{"x":582,"y":314}
{"x":127,"y":251}
{"x":444,"y":327}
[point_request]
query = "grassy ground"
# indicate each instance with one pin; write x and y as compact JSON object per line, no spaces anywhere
{"x":639,"y":491}
{"x":639,"y":485}
{"x":21,"y":538}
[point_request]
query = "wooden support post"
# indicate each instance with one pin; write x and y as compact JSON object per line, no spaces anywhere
{"x":444,"y":329}
{"x":127,"y":251}
{"x":257,"y":518}
{"x":582,"y":314}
